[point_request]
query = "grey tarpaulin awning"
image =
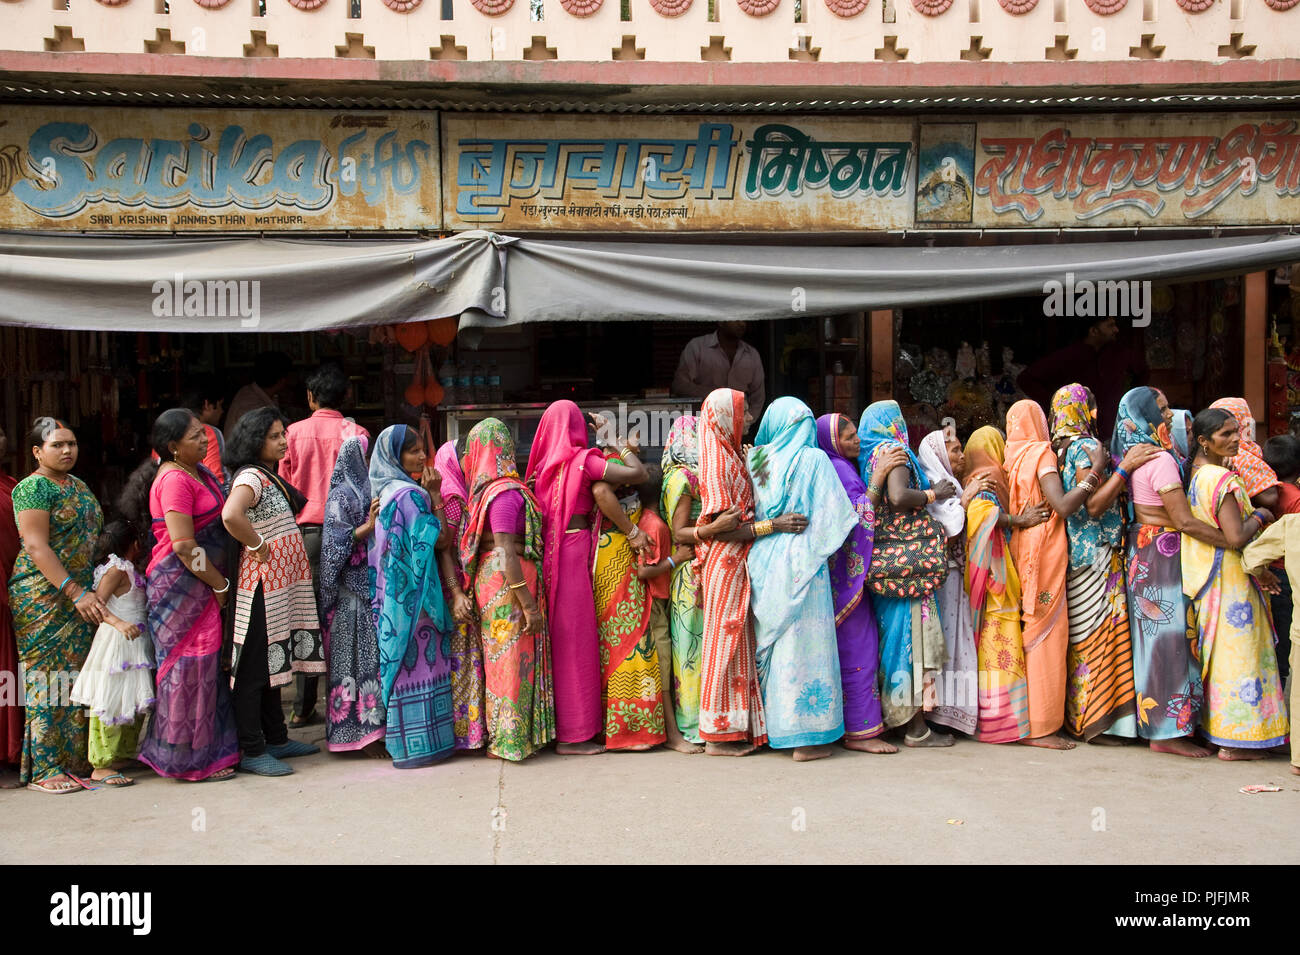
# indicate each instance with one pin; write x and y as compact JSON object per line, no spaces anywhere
{"x":557,"y":280}
{"x":158,"y":284}
{"x":184,"y":284}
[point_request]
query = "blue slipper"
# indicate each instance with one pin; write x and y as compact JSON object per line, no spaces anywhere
{"x":265,"y":765}
{"x":292,"y":748}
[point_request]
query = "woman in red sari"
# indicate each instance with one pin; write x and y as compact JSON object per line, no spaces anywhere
{"x":561,"y":471}
{"x":732,"y":722}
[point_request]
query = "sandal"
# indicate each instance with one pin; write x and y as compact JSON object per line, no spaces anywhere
{"x":922,"y":742}
{"x":59,"y":787}
{"x":227,"y":772}
{"x":108,"y":783}
{"x":310,"y":719}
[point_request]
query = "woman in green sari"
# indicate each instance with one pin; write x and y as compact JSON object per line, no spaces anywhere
{"x":55,"y":608}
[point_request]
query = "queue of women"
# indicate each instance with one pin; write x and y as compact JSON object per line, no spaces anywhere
{"x":826,"y":584}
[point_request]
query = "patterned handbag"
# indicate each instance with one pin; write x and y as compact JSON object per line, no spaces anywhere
{"x":909,"y":557}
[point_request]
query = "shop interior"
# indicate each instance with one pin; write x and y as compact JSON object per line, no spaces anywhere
{"x":950,"y":361}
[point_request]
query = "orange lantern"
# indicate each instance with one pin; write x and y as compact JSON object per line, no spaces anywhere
{"x":442,"y":331}
{"x":433,"y":392}
{"x":411,"y":335}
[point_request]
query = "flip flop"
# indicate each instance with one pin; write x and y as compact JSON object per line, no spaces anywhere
{"x":104,"y":783}
{"x":62,"y":790}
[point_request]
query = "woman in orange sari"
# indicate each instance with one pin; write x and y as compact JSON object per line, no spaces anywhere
{"x":1042,"y":559}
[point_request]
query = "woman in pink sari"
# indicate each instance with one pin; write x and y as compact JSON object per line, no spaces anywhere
{"x":561,"y":471}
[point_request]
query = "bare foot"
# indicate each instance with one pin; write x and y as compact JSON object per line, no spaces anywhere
{"x":1295,"y":770}
{"x":682,"y":745}
{"x":1048,"y":742}
{"x":931,"y":740}
{"x":873,"y":745}
{"x":1182,"y":746}
{"x":1233,"y":754}
{"x":376,"y":750}
{"x":738,"y":748}
{"x":587,"y":748}
{"x":1105,"y":740}
{"x":639,"y":748}
{"x":805,"y":754}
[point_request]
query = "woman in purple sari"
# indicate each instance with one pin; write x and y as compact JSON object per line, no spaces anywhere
{"x":413,"y":619}
{"x":192,"y":733}
{"x":855,"y":623}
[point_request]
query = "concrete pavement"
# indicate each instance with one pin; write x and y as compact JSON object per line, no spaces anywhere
{"x":1016,"y":804}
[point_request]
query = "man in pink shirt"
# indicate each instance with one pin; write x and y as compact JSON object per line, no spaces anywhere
{"x":313,"y":451}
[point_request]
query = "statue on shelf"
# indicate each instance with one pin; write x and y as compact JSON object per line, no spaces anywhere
{"x":965,"y":366}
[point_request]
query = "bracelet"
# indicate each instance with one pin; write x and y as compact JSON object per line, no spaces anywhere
{"x":873,"y":489}
{"x":225,"y":589}
{"x":699,"y":538}
{"x":929,"y":497}
{"x":260,"y":542}
{"x":1122,"y":473}
{"x":79,"y":596}
{"x":672,"y":563}
{"x":762,"y":528}
{"x":65,"y":583}
{"x":522,"y":583}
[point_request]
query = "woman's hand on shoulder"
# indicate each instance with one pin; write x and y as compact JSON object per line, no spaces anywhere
{"x":1137,"y":456}
{"x":943,"y":489}
{"x":886,"y":460}
{"x":792,"y":523}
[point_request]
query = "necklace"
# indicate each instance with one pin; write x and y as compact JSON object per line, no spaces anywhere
{"x":192,"y":472}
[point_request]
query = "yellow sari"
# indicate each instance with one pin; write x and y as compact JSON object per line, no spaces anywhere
{"x":1244,"y":705}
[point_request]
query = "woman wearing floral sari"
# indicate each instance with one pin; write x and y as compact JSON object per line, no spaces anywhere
{"x":732,"y":722}
{"x":856,"y":633}
{"x":1100,"y":695}
{"x":912,"y":648}
{"x":1259,"y":480}
{"x":192,"y":734}
{"x":956,"y":703}
{"x":561,"y":472}
{"x":631,"y":685}
{"x":1166,"y":665}
{"x":792,"y":603}
{"x":1042,"y":557}
{"x":11,"y":715}
{"x":1245,"y":711}
{"x":413,"y":620}
{"x":466,"y":647}
{"x":347,"y":619}
{"x":55,"y":608}
{"x":501,"y":549}
{"x":994,"y":590}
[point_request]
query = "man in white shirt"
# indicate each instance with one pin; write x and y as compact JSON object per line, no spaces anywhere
{"x":721,"y":359}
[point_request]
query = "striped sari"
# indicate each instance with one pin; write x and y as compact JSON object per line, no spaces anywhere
{"x":1099,"y":695}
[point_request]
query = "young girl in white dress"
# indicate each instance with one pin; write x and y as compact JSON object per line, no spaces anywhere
{"x":116,"y":683}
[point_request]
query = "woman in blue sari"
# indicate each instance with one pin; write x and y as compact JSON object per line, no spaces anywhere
{"x":413,"y":619}
{"x":794,"y":611}
{"x":912,"y":646}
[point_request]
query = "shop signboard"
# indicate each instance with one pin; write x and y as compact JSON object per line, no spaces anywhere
{"x":190,"y":170}
{"x":677,"y":173}
{"x":1135,"y":170}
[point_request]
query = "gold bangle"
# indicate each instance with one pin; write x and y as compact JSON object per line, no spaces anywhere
{"x":762,"y":528}
{"x":522,"y":583}
{"x":929,"y":496}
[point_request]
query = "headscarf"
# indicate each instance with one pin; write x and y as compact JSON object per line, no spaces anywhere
{"x":724,"y":482}
{"x":1138,"y":421}
{"x":848,"y":575}
{"x":937,"y":467}
{"x":787,"y":429}
{"x":682,"y":451}
{"x":386,"y":473}
{"x":346,"y":507}
{"x":1071,"y":415}
{"x":985,"y":452}
{"x":828,"y":439}
{"x":882,"y":424}
{"x":792,"y":475}
{"x":446,"y":463}
{"x":490,"y":469}
{"x":1249,"y":459}
{"x":1181,"y":433}
{"x":556,"y":465}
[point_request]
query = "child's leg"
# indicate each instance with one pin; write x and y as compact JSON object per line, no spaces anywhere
{"x":663,"y":639}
